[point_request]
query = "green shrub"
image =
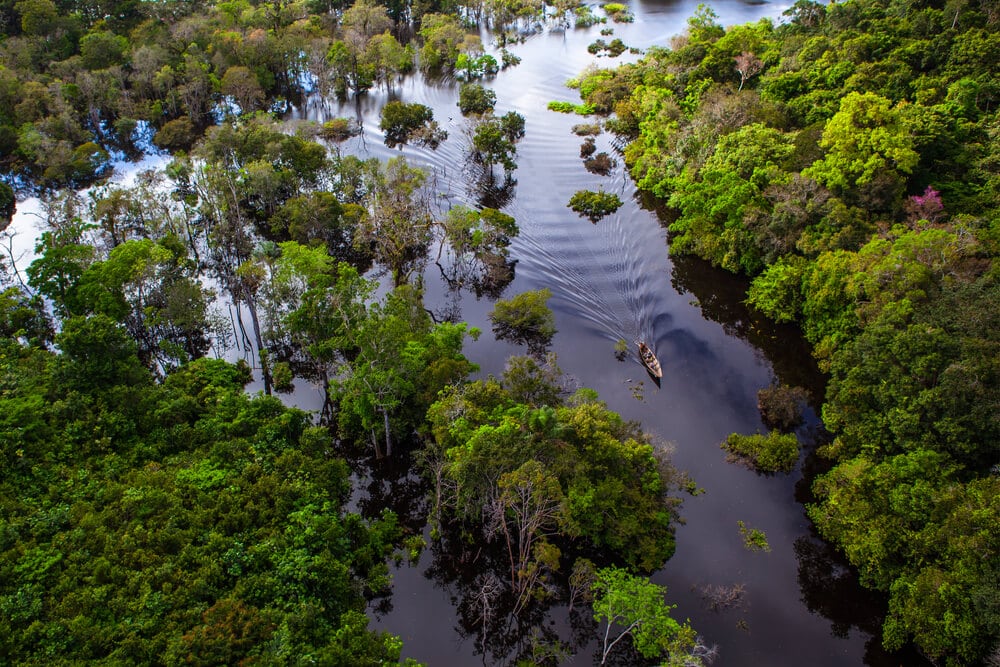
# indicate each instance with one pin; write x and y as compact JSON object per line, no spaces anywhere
{"x":618,"y":12}
{"x":525,"y":319}
{"x":594,"y":205}
{"x":474,"y":98}
{"x":774,"y":452}
{"x":569,"y":107}
{"x":339,"y":129}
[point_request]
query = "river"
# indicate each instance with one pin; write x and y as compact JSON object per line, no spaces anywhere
{"x":796,"y":604}
{"x":800,"y":604}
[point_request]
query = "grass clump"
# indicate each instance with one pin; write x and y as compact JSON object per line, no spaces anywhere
{"x":569,"y":107}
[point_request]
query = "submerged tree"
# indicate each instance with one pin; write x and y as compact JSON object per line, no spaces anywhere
{"x":547,"y":481}
{"x":479,"y":241}
{"x":634,"y":607}
{"x":396,"y":228}
{"x":410,"y":123}
{"x":525,"y":319}
{"x":399,"y":363}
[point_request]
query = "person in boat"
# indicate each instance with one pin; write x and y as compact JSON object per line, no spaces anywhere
{"x":649,"y":359}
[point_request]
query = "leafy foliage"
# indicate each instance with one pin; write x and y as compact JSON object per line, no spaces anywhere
{"x":525,"y":319}
{"x":594,"y":205}
{"x":404,"y":123}
{"x":600,"y":482}
{"x":636,"y":608}
{"x":475,"y":99}
{"x":774,"y":452}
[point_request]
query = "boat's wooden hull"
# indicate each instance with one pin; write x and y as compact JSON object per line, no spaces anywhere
{"x":650,"y":361}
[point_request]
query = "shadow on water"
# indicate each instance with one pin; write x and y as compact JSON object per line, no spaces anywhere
{"x":829,"y":585}
{"x":721,"y":298}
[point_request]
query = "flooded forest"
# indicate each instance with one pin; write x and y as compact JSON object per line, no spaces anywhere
{"x":321,"y":331}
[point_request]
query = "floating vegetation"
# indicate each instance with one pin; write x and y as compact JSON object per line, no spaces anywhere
{"x":774,"y":452}
{"x":612,"y":49}
{"x":585,"y":17}
{"x":754,"y":539}
{"x":618,"y":12}
{"x":594,"y":205}
{"x":587,"y":129}
{"x":569,"y":107}
{"x":339,"y":129}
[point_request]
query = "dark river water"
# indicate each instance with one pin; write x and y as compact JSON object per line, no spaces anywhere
{"x":614,"y":280}
{"x":799,"y":605}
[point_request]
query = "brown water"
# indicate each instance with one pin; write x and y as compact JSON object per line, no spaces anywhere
{"x":611,"y":280}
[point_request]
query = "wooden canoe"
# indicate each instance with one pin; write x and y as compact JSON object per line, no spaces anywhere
{"x":649,"y":360}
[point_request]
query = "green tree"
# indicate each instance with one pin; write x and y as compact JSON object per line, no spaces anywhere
{"x":635,"y":607}
{"x":475,"y":99}
{"x":614,"y":484}
{"x":479,"y":241}
{"x":404,"y":123}
{"x":525,"y":319}
{"x":397,"y":224}
{"x":594,"y":205}
{"x":443,"y":39}
{"x":494,"y":140}
{"x":864,"y":139}
{"x":102,"y":49}
{"x":400,"y":364}
{"x":528,"y":507}
{"x":241,"y":84}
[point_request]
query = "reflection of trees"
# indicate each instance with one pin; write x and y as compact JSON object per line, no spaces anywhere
{"x":492,"y":192}
{"x":721,"y":297}
{"x":830,"y":588}
{"x":390,"y":483}
{"x":487,"y":275}
{"x":476,"y":573}
{"x":477,"y":256}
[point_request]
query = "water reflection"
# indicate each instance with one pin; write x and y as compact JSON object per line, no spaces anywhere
{"x":721,"y":297}
{"x":829,"y":586}
{"x":492,"y":192}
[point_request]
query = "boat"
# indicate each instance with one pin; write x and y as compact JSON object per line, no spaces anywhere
{"x":649,"y":360}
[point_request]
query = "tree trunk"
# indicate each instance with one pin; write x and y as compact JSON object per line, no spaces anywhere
{"x":388,"y":435}
{"x":261,"y":352}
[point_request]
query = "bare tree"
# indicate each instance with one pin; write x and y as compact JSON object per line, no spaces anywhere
{"x":527,"y":508}
{"x":748,"y":66}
